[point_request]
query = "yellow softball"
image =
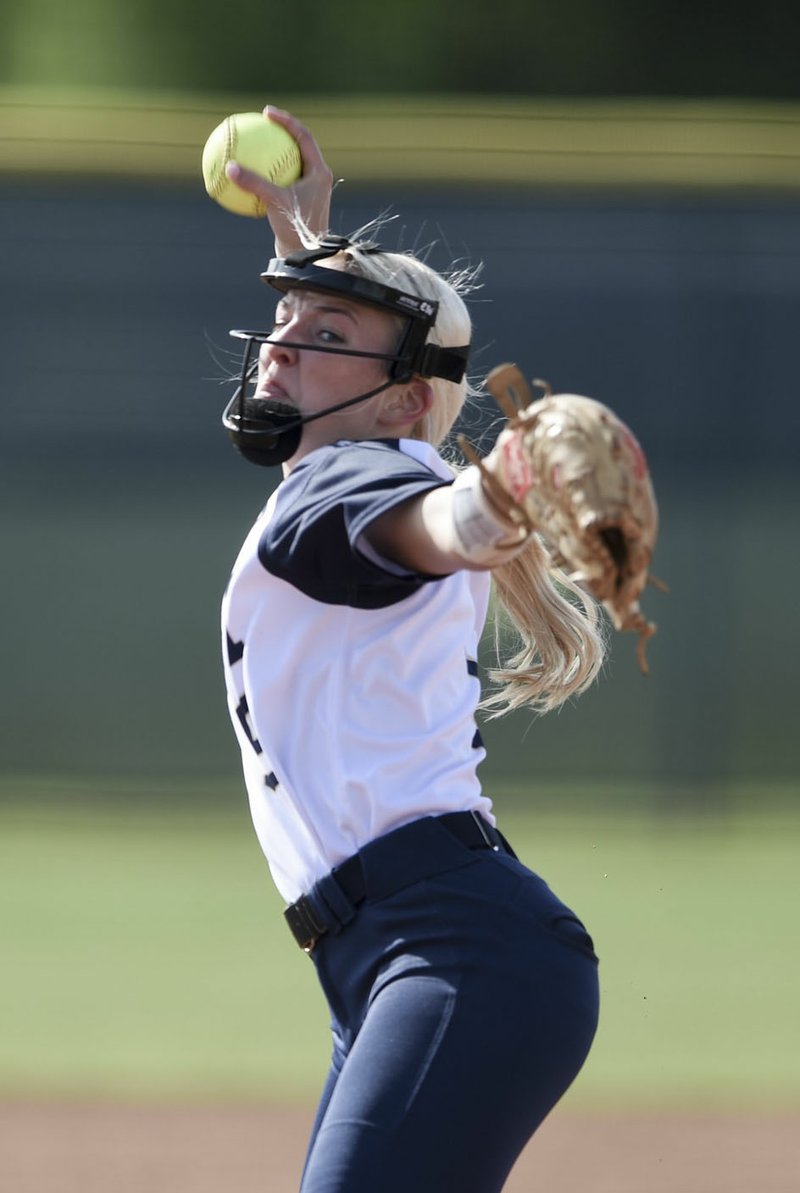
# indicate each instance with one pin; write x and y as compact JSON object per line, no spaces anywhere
{"x":260,"y":145}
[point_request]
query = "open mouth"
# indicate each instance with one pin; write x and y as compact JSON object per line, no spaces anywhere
{"x":269,"y":391}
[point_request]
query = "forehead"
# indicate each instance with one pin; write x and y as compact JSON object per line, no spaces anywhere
{"x":301,"y":298}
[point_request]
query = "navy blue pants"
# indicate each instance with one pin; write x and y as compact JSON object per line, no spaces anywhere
{"x":464,"y":1000}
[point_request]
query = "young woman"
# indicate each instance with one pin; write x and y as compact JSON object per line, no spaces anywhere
{"x":463,"y":993}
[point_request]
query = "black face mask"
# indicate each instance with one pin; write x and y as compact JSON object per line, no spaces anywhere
{"x":268,"y":432}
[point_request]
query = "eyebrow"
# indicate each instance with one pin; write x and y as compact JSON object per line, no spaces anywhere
{"x":326,"y":308}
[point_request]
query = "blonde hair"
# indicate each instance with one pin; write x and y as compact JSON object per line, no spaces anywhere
{"x":558,"y":629}
{"x":559,"y":644}
{"x":453,"y":326}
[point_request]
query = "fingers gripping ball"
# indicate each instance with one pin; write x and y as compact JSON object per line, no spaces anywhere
{"x":568,"y":467}
{"x":257,"y":143}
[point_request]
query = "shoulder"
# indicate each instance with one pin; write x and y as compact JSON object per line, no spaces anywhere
{"x":367,"y":461}
{"x":361,"y":479}
{"x":322,"y":509}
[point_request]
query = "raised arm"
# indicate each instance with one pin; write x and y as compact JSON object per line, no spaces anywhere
{"x":310,"y":197}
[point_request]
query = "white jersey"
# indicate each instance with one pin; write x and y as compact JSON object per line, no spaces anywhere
{"x":352,"y":683}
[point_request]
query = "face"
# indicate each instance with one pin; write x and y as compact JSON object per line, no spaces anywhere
{"x":312,"y":381}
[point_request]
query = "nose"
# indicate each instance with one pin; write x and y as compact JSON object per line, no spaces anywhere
{"x":276,"y":351}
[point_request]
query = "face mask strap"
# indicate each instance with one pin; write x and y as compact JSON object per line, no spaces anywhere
{"x":329,"y":246}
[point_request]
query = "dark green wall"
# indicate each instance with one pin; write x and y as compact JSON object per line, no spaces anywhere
{"x":516,"y":47}
{"x":122,"y":506}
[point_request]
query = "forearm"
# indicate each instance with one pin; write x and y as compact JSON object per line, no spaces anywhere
{"x":447,"y":529}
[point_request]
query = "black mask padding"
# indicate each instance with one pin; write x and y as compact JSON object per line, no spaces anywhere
{"x":264,"y":432}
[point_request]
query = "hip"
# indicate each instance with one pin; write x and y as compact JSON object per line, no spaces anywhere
{"x":476,"y":919}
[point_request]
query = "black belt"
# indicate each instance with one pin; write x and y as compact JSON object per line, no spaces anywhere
{"x":469,"y":829}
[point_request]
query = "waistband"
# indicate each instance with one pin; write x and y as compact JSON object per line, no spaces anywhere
{"x":404,"y":856}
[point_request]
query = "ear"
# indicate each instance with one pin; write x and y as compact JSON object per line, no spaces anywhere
{"x":406,"y":404}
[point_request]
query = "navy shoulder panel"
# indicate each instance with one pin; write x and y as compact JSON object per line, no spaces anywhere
{"x":324,"y":506}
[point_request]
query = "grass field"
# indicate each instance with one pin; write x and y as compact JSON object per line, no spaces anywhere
{"x":144,"y":954}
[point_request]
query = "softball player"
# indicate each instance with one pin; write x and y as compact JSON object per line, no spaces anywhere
{"x":462,"y":992}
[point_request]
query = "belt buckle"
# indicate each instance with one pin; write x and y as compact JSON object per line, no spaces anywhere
{"x":303,"y":924}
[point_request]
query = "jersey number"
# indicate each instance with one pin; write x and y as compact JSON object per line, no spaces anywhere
{"x":235,"y":652}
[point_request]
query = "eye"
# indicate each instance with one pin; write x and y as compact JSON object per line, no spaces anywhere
{"x":328,"y":336}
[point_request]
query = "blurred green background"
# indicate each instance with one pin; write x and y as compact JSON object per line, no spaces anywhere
{"x":629,"y":176}
{"x":144,"y":954}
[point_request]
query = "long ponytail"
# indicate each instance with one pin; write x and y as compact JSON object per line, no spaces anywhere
{"x":558,"y":630}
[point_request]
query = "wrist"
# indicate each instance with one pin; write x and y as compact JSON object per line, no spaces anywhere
{"x":484,"y":535}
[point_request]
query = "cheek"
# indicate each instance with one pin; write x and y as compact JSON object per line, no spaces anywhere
{"x":326,"y":380}
{"x":357,"y":375}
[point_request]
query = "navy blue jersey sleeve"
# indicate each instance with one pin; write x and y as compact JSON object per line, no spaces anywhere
{"x":324,"y":506}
